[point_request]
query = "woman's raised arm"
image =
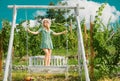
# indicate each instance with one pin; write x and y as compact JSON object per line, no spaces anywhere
{"x":59,"y":33}
{"x":36,"y":32}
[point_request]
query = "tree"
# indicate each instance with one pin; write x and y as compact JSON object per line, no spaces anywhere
{"x":51,"y":12}
{"x":6,"y":33}
{"x":105,"y":51}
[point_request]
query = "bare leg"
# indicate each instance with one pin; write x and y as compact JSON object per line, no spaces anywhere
{"x":47,"y":56}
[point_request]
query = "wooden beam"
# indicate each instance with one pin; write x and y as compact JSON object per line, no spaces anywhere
{"x":42,"y":6}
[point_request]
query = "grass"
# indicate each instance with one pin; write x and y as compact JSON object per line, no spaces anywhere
{"x":60,"y":52}
{"x":23,"y":75}
{"x":64,"y":52}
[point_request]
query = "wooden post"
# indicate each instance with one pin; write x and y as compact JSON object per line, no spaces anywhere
{"x":92,"y":51}
{"x":81,"y":49}
{"x":86,"y":41}
{"x":1,"y":51}
{"x":71,"y":26}
{"x":8,"y":66}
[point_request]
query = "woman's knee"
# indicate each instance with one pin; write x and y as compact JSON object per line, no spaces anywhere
{"x":46,"y":51}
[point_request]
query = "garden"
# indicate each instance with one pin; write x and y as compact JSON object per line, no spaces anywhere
{"x":101,"y":43}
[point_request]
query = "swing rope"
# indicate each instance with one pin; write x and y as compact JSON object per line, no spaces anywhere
{"x":67,"y":41}
{"x":66,"y":24}
{"x":26,"y":24}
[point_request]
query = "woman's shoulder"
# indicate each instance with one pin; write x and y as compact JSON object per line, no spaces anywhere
{"x":40,"y":29}
{"x":51,"y":31}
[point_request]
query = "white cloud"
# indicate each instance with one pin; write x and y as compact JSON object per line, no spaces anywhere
{"x":91,"y":8}
{"x":39,"y":12}
{"x":32,"y":23}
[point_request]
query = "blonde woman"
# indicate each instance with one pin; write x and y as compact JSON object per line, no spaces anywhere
{"x":46,"y":43}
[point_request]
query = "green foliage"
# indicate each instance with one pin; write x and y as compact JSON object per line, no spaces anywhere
{"x":116,"y":43}
{"x":51,"y":12}
{"x":106,"y":50}
{"x":5,"y":33}
{"x":60,"y":41}
{"x":22,"y":39}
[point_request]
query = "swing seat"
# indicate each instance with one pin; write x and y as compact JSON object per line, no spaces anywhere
{"x":58,"y":65}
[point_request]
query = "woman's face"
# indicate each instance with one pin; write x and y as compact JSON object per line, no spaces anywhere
{"x":46,"y":23}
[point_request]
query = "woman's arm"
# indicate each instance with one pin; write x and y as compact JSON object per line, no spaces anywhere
{"x":64,"y":32}
{"x":32,"y":31}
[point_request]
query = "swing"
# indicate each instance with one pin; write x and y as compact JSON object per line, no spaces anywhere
{"x":36,"y":64}
{"x":58,"y":64}
{"x":7,"y":71}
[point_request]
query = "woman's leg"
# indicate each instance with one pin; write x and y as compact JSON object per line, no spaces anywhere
{"x":47,"y":56}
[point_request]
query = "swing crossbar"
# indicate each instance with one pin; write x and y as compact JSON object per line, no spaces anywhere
{"x":58,"y":64}
{"x":43,"y":7}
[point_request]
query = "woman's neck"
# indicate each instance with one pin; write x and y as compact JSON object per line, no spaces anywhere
{"x":47,"y":28}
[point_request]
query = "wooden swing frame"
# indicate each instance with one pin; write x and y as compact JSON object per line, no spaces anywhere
{"x":8,"y":66}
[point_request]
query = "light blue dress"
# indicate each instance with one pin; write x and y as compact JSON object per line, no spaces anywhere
{"x":46,"y":38}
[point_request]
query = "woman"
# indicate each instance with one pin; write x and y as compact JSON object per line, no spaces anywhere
{"x":46,"y":43}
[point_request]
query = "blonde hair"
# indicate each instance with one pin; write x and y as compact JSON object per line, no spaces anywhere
{"x":46,"y":19}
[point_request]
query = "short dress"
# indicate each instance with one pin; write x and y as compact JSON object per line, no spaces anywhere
{"x":46,"y":38}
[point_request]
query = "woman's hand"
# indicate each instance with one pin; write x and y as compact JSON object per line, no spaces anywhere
{"x":64,"y":32}
{"x":27,"y":29}
{"x":33,"y":32}
{"x":60,"y":33}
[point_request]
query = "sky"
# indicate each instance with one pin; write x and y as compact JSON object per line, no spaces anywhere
{"x":6,"y":13}
{"x":112,"y":9}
